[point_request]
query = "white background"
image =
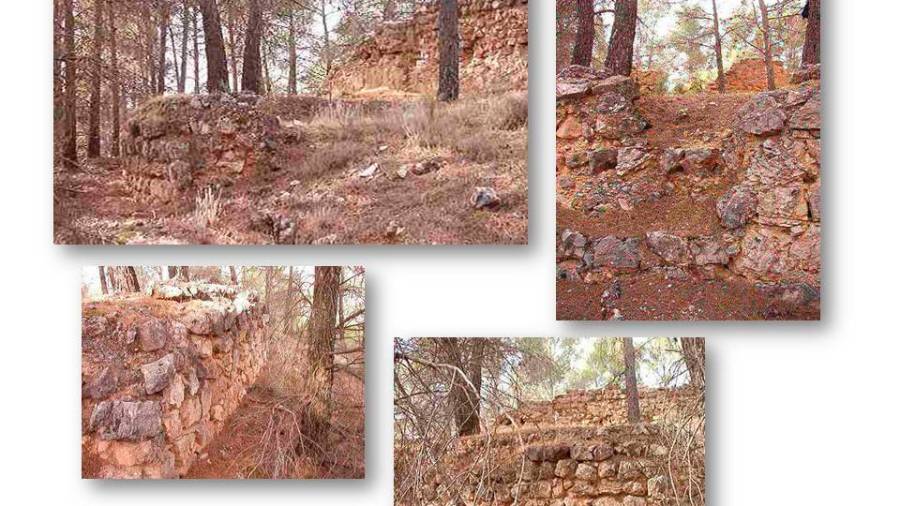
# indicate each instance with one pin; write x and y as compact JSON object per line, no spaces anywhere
{"x":800,"y":413}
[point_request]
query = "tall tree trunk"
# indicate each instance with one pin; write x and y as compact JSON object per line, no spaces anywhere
{"x":448,"y":40}
{"x":694,"y":351}
{"x":232,"y":50}
{"x":252,"y":71}
{"x":184,"y":273}
{"x":466,"y":356}
{"x":322,"y":323}
{"x":176,"y":63}
{"x":326,"y":42}
{"x":216,"y":64}
{"x":185,"y":32}
{"x":163,"y":30}
{"x":132,"y":277}
{"x":631,"y":388}
{"x":196,"y":37}
{"x":767,"y":44}
{"x":173,"y":272}
{"x":292,"y":53}
{"x":70,"y":140}
{"x":104,"y":287}
{"x":234,"y":277}
{"x":289,"y":302}
{"x":620,"y":58}
{"x":116,"y":84}
{"x":93,"y":146}
{"x":720,"y":60}
{"x":811,"y":50}
{"x":583,"y":52}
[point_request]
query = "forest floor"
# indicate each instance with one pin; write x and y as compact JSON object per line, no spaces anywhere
{"x":429,"y":160}
{"x":686,"y":208}
{"x":259,"y":440}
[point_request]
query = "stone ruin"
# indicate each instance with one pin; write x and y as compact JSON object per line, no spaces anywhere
{"x":770,"y":218}
{"x":162,"y":373}
{"x":175,"y":143}
{"x":578,"y":450}
{"x":403,"y":56}
{"x":749,"y":74}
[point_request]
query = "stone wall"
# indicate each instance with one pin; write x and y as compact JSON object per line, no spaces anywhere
{"x":599,"y":408}
{"x":179,"y":142}
{"x":576,"y":450}
{"x":768,"y":229}
{"x":403,"y":56}
{"x":161,"y":373}
{"x":750,"y":75}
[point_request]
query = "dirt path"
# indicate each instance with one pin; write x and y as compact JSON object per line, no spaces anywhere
{"x":259,"y":440}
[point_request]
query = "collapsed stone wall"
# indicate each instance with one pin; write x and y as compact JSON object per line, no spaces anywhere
{"x":175,"y":143}
{"x":578,"y":450}
{"x":599,"y":408}
{"x":769,"y":230}
{"x":750,"y":75}
{"x":161,"y":373}
{"x":403,"y":56}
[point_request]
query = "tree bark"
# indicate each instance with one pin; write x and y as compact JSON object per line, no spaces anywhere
{"x":288,"y":301}
{"x":173,"y":272}
{"x":93,"y":146}
{"x":583,"y":52}
{"x":104,"y":287}
{"x":322,"y":324}
{"x":133,"y":282}
{"x":252,"y":71}
{"x":465,"y":356}
{"x":70,"y":137}
{"x":448,"y":40}
{"x":196,"y":37}
{"x":811,"y":49}
{"x":631,"y":388}
{"x":767,"y":44}
{"x":163,"y":36}
{"x":184,"y":273}
{"x":292,"y":53}
{"x":620,"y":58}
{"x":720,"y":60}
{"x":115,"y":149}
{"x":216,"y":64}
{"x":694,"y":351}
{"x":185,"y":32}
{"x":233,"y":271}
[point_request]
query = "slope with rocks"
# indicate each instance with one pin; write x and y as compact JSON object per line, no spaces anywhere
{"x":578,"y":449}
{"x":686,"y":207}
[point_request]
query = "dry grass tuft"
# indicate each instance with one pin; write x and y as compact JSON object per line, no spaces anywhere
{"x":207,"y":208}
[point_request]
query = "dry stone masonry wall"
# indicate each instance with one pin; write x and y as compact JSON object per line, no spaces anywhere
{"x":576,"y":450}
{"x":403,"y":56}
{"x":769,"y":218}
{"x":160,"y":375}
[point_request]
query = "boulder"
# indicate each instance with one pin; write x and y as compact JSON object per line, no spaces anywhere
{"x":736,"y":207}
{"x":761,"y":116}
{"x":126,"y":420}
{"x":610,"y":251}
{"x":158,"y":374}
{"x":701,"y":160}
{"x":102,"y":384}
{"x":808,"y":116}
{"x":671,"y":248}
{"x":631,"y":159}
{"x":152,"y":335}
{"x":603,"y":159}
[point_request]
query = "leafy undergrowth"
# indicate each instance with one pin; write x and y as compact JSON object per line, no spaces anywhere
{"x":319,"y":191}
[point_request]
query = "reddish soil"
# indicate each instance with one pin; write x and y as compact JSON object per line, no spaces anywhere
{"x":686,"y":208}
{"x":650,"y":296}
{"x":249,"y":442}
